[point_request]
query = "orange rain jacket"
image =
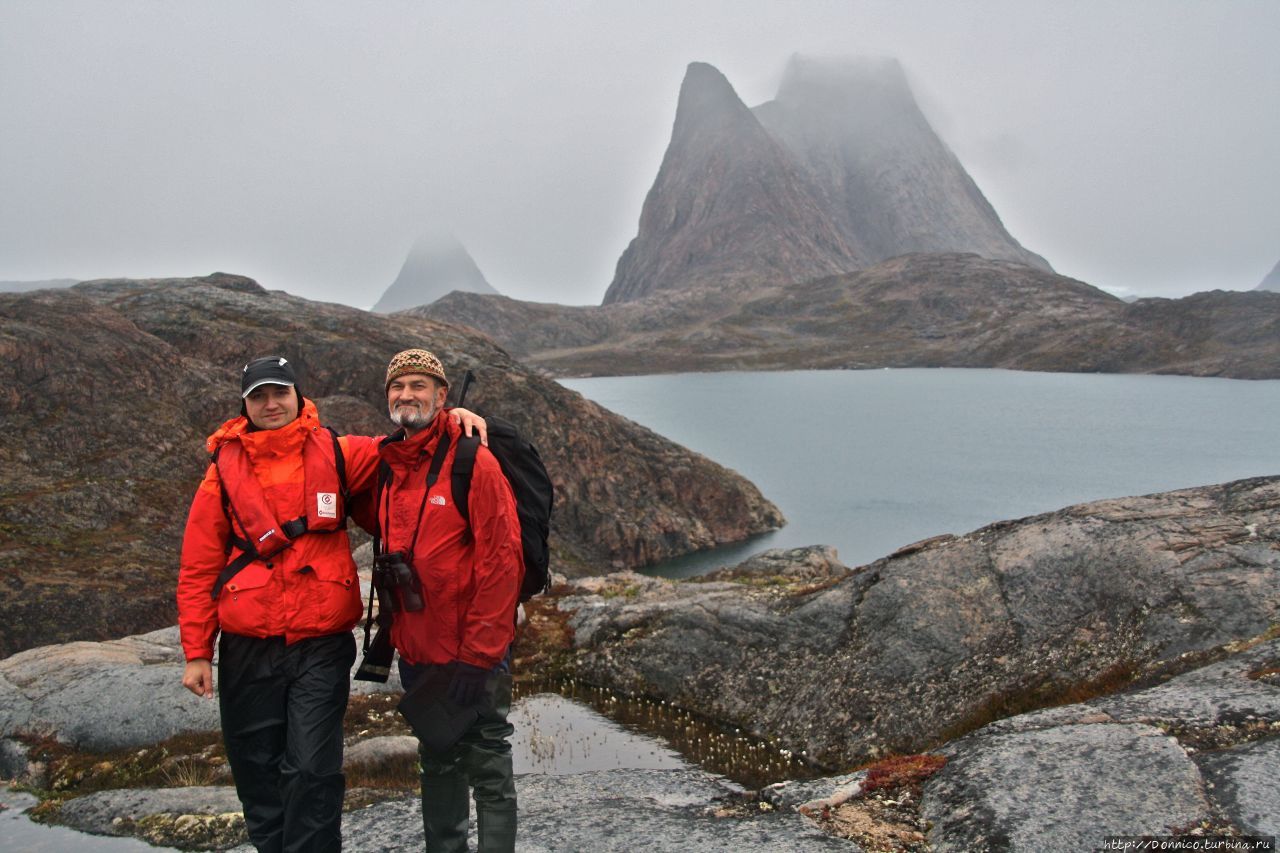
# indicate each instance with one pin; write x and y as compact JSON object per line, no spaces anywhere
{"x":470,"y":573}
{"x":310,"y":588}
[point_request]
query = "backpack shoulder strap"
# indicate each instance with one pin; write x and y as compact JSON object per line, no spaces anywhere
{"x":340,"y":463}
{"x":464,"y":462}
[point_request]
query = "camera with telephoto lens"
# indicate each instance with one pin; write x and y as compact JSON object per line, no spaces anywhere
{"x":397,"y":583}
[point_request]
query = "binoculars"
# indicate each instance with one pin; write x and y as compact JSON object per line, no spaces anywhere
{"x":397,"y":584}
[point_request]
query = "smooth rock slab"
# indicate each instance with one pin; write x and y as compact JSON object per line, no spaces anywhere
{"x":97,"y":812}
{"x":379,"y":749}
{"x":102,"y":696}
{"x":602,"y":812}
{"x":1247,"y":785}
{"x":621,"y":810}
{"x":1217,"y":693}
{"x":117,"y":694}
{"x":1062,"y":788}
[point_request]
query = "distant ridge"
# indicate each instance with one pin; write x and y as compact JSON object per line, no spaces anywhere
{"x":751,"y":210}
{"x":436,"y":265}
{"x":45,"y":284}
{"x":1272,"y":281}
{"x":928,"y":309}
{"x":840,"y":171}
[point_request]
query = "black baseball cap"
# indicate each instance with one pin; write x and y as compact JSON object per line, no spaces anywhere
{"x":270,"y":370}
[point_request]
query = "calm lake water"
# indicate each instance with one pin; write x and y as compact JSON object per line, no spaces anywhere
{"x":872,"y":460}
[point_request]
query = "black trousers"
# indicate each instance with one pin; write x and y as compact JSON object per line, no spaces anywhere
{"x":282,"y":708}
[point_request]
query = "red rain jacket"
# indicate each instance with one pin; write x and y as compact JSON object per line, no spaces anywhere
{"x":309,"y":588}
{"x":470,"y":574}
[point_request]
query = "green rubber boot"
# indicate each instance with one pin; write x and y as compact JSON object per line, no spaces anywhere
{"x":446,"y":808}
{"x":497,"y":829}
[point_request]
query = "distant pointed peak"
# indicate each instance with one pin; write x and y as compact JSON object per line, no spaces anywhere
{"x":706,"y":91}
{"x":436,"y":264}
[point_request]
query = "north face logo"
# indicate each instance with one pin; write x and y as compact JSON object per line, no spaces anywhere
{"x":438,"y":500}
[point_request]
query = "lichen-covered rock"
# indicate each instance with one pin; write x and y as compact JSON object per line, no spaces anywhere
{"x":376,"y":750}
{"x":1063,"y":789}
{"x":607,"y":811}
{"x":120,"y":812}
{"x":945,"y":636}
{"x":1244,"y":784}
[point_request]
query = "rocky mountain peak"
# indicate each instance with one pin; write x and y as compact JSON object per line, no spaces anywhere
{"x":728,"y":206}
{"x":839,"y":171}
{"x":707,"y":98}
{"x":437,"y":264}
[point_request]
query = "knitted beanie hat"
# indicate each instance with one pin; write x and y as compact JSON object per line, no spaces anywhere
{"x":415,"y":361}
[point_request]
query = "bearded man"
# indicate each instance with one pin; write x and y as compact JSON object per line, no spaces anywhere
{"x":455,"y":610}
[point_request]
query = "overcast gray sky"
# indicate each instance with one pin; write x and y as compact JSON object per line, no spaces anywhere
{"x":1133,"y":143}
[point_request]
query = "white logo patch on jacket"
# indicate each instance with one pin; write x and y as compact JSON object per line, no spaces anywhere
{"x":438,"y":500}
{"x":326,"y":505}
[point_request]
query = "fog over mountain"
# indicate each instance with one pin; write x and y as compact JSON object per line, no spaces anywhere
{"x":1272,"y":281}
{"x":437,"y":264}
{"x":840,"y":171}
{"x":893,"y":185}
{"x":1130,"y":144}
{"x":24,"y":286}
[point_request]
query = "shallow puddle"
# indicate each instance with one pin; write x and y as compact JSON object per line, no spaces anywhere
{"x":558,"y":736}
{"x":592,"y":728}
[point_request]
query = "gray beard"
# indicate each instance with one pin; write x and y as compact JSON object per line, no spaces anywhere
{"x":412,"y":419}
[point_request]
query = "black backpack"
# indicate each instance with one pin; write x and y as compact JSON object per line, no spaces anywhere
{"x":530,"y":483}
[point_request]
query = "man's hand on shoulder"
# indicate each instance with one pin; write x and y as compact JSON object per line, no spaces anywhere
{"x":470,"y":421}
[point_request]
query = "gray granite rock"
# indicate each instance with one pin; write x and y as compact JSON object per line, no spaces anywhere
{"x":110,"y":812}
{"x":13,"y":759}
{"x":102,"y":696}
{"x":623,"y":811}
{"x":1246,"y":786}
{"x":1062,"y":777}
{"x":793,"y":793}
{"x":930,"y":639}
{"x":112,"y":695}
{"x":1062,"y":789}
{"x":1220,"y":693}
{"x":1217,"y":694}
{"x":380,"y":749}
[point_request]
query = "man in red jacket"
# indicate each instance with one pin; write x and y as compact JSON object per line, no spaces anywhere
{"x":455,"y":616}
{"x":266,"y":562}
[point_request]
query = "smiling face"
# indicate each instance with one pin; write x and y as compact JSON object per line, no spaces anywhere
{"x":271,"y":406}
{"x":414,"y":399}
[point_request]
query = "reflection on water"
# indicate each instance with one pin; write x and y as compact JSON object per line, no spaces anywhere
{"x":558,"y":736}
{"x":579,"y":740}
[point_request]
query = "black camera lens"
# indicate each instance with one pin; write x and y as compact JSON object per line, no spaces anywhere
{"x":395,"y":574}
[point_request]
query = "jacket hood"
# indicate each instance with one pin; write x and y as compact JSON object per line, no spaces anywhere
{"x":308,"y":418}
